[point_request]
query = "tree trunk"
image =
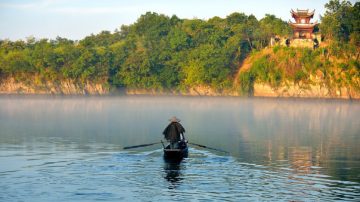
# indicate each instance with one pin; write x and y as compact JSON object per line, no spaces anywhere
{"x":249,"y":41}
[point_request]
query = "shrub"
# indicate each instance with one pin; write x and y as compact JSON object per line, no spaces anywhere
{"x":246,"y":80}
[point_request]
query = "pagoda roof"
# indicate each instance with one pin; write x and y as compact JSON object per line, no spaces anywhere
{"x":302,"y":13}
{"x":303,"y":26}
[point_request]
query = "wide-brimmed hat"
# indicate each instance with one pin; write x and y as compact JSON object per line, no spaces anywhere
{"x":174,"y":119}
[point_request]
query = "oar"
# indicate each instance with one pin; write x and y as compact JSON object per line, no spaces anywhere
{"x":141,"y":145}
{"x":203,"y":146}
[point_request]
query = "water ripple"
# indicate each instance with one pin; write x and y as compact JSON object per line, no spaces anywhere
{"x":145,"y":176}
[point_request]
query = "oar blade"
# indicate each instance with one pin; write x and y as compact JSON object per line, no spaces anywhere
{"x":141,"y":145}
{"x":203,"y":146}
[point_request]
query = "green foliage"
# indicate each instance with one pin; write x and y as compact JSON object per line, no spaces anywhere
{"x":161,"y":52}
{"x":264,"y":70}
{"x":272,"y":26}
{"x":301,"y":66}
{"x":246,"y":81}
{"x":300,"y":75}
{"x":341,"y":21}
{"x":276,"y":49}
{"x":156,"y":52}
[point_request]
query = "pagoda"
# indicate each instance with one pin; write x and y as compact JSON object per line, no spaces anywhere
{"x":302,"y":27}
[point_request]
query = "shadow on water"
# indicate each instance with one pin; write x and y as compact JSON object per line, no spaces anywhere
{"x":173,"y":171}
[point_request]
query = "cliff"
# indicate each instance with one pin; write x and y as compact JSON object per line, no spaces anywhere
{"x":299,"y":72}
{"x":65,"y":87}
{"x":260,"y":90}
{"x":310,"y":91}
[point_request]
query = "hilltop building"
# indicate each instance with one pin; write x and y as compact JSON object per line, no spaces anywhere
{"x":303,"y":31}
{"x":302,"y":27}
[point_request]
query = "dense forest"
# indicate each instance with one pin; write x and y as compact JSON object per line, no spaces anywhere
{"x":168,"y":53}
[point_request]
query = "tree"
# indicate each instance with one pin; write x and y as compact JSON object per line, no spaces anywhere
{"x":272,"y":26}
{"x":340,"y":20}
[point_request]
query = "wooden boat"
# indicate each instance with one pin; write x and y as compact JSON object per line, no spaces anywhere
{"x":179,"y":153}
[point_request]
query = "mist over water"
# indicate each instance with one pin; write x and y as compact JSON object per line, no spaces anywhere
{"x":286,"y":149}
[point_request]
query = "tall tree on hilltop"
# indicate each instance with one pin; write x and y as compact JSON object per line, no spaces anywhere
{"x":340,"y":20}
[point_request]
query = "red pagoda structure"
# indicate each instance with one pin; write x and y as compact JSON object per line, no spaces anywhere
{"x":302,"y":27}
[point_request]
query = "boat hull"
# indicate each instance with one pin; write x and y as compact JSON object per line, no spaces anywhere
{"x":179,"y":153}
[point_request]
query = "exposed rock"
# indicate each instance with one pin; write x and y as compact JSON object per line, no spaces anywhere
{"x":66,"y":87}
{"x":195,"y":91}
{"x":305,"y":91}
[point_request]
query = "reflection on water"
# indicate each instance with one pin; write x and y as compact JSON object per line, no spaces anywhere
{"x":301,"y":159}
{"x":173,"y":173}
{"x":283,"y":149}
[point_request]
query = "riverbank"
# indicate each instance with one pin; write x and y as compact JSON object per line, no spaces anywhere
{"x":65,"y":87}
{"x":288,"y":90}
{"x":263,"y":90}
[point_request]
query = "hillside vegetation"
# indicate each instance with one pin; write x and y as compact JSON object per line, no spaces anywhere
{"x":156,"y":52}
{"x":334,"y":66}
{"x":163,"y":53}
{"x":283,"y":66}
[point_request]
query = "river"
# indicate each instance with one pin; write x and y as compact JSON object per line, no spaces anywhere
{"x":71,"y":149}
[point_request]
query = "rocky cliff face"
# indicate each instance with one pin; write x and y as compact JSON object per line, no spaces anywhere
{"x":264,"y":90}
{"x":66,"y":87}
{"x":309,"y":91}
{"x":194,"y":91}
{"x":317,"y":90}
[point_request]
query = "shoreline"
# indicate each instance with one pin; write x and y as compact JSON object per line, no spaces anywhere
{"x":286,"y":90}
{"x":113,"y":95}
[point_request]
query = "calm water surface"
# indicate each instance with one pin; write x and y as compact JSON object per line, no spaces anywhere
{"x":70,"y":149}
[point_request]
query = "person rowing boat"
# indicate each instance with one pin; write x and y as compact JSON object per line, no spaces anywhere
{"x":174,"y":133}
{"x":178,"y":145}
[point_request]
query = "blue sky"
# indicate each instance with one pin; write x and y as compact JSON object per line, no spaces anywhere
{"x":75,"y":19}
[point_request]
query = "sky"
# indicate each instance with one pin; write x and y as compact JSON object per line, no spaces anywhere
{"x":76,"y":19}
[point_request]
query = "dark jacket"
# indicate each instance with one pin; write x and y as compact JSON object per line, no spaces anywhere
{"x":172,"y":132}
